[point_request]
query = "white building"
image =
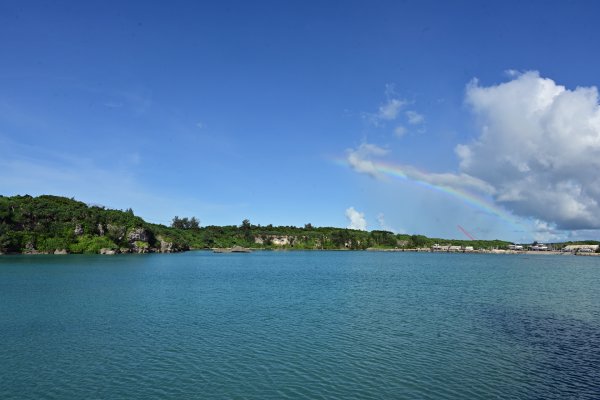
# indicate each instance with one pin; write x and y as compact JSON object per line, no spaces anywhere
{"x":539,"y":247}
{"x":583,"y":248}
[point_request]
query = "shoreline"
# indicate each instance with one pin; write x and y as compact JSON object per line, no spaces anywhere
{"x":513,"y":252}
{"x":371,"y":249}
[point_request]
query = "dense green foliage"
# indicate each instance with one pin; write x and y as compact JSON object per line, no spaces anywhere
{"x":185,"y":223}
{"x":48,"y":223}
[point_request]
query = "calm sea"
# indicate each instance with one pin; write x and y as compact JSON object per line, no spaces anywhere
{"x":300,"y":325}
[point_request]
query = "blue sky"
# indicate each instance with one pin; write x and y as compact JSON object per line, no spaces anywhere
{"x":287,"y":112}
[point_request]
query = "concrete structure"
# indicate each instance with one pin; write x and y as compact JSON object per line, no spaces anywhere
{"x":539,"y":247}
{"x":581,"y":248}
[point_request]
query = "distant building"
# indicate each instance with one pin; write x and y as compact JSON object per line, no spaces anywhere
{"x":449,"y":248}
{"x":515,"y":247}
{"x":581,"y":248}
{"x":539,"y":247}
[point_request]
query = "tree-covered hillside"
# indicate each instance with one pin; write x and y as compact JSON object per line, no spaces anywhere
{"x":48,"y":224}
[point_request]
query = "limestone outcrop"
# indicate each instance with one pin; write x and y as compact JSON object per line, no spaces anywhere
{"x":275,"y":240}
{"x":108,"y":252}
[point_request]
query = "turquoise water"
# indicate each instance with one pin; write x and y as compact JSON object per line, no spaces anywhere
{"x":300,"y":325}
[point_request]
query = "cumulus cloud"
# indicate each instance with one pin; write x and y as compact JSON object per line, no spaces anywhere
{"x":400,"y":131}
{"x":382,"y":223}
{"x":360,"y":159}
{"x":388,"y":111}
{"x":356,"y":219}
{"x":511,"y":73}
{"x":414,"y":118}
{"x":539,"y":148}
{"x":544,"y":232}
{"x":536,"y":152}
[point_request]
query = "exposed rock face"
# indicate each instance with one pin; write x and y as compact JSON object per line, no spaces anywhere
{"x":30,"y":249}
{"x":60,"y":252}
{"x":281,"y":240}
{"x":140,"y":247}
{"x":108,"y":252}
{"x":100,"y":229}
{"x":166,"y":246}
{"x":124,"y":250}
{"x":78,"y":231}
{"x":275,"y":240}
{"x":137,"y":234}
{"x":138,"y":238}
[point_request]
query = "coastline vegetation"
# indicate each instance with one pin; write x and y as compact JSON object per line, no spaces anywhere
{"x":54,"y":224}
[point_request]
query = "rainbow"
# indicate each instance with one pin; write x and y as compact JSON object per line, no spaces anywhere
{"x":421,"y":178}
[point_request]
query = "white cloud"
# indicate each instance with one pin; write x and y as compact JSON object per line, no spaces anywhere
{"x":400,"y":131}
{"x":382,"y":223}
{"x":356,"y":219}
{"x":390,"y":110}
{"x":414,"y":118}
{"x":539,"y":148}
{"x":460,"y":181}
{"x":360,"y":158}
{"x":512,"y":73}
{"x":545,"y":232}
{"x":363,"y":160}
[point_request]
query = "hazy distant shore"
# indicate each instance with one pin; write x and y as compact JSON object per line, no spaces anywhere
{"x":523,"y":252}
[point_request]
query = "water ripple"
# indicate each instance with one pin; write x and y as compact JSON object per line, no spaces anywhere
{"x":299,"y":326}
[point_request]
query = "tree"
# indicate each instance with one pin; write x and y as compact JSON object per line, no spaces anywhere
{"x":177,"y":222}
{"x":194,"y":223}
{"x":185,"y":223}
{"x":418,"y":240}
{"x":340,"y":238}
{"x":308,"y":226}
{"x":246,"y":229}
